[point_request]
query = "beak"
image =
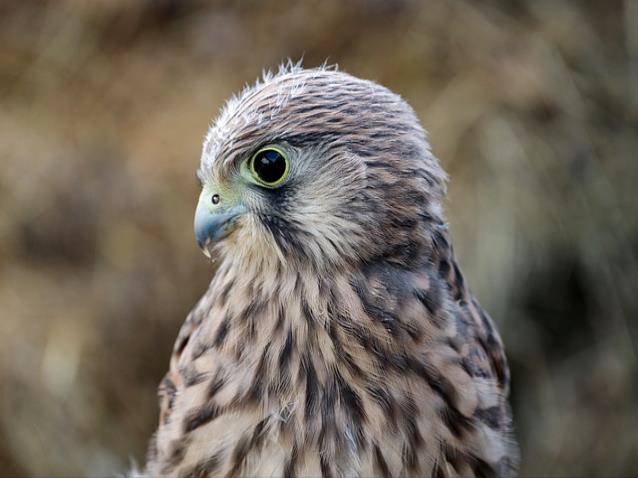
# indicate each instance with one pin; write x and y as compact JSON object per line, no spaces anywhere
{"x":214,"y":222}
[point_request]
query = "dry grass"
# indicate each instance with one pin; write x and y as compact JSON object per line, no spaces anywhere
{"x":531,"y":105}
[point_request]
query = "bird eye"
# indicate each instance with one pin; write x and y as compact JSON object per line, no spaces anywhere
{"x":269,"y":166}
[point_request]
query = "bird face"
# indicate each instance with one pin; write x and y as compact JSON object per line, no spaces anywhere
{"x":253,"y":187}
{"x":282,"y":202}
{"x":314,"y":167}
{"x":219,"y":208}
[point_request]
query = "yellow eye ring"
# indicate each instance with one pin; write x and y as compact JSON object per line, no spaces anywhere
{"x":269,"y":167}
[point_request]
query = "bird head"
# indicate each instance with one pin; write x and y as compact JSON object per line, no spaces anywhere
{"x":315,"y":166}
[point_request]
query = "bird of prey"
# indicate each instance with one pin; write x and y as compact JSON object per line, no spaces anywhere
{"x":338,"y":336}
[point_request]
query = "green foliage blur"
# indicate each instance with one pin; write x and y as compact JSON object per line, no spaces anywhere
{"x":531,"y":105}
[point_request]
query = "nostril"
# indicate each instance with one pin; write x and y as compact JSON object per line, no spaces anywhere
{"x":215,"y":198}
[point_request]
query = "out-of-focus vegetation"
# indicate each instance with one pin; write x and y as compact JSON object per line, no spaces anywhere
{"x":532,"y":106}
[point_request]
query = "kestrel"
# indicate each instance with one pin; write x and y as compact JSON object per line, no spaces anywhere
{"x":338,"y":336}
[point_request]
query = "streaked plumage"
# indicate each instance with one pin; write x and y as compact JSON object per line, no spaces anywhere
{"x":338,"y":337}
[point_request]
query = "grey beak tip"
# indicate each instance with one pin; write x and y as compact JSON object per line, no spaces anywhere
{"x":212,"y":227}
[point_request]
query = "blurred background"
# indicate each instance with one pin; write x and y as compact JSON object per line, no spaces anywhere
{"x":531,"y":105}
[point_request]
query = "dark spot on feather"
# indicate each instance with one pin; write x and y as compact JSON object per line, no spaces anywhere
{"x":455,"y":421}
{"x":481,"y":468}
{"x":350,"y":399}
{"x":439,"y":240}
{"x":332,"y":329}
{"x":498,"y":363}
{"x":472,"y":369}
{"x":326,"y":472}
{"x":167,"y":387}
{"x":312,"y":389}
{"x":308,"y":138}
{"x":385,"y":401}
{"x":341,"y":353}
{"x":328,"y":423}
{"x":286,"y":234}
{"x":284,"y":356}
{"x":454,"y":457}
{"x":459,"y":282}
{"x":398,"y":361}
{"x":291,"y":463}
{"x":280,"y":318}
{"x":414,"y":444}
{"x":352,"y":365}
{"x":473,"y":363}
{"x":200,"y":416}
{"x":190,"y":375}
{"x":249,"y":314}
{"x":413,"y":433}
{"x":381,"y":463}
{"x":334,"y":245}
{"x":384,"y":317}
{"x":453,"y":344}
{"x":490,"y":416}
{"x":223,"y":295}
{"x":437,"y":382}
{"x":353,"y":406}
{"x":408,"y":406}
{"x":256,"y":389}
{"x":181,"y":343}
{"x":444,"y":269}
{"x":414,"y":330}
{"x":205,"y":468}
{"x":199,"y":348}
{"x":239,"y":455}
{"x":429,"y":300}
{"x":222,"y":332}
{"x":364,"y":338}
{"x":215,"y":385}
{"x":177,"y":454}
{"x":258,"y":436}
{"x":307,"y":312}
{"x":353,"y":403}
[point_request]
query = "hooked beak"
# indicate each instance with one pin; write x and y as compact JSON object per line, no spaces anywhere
{"x":214,"y":222}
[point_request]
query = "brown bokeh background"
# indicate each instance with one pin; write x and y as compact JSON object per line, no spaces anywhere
{"x":532,"y":106}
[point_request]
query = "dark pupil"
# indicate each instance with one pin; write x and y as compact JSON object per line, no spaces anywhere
{"x":270,"y":166}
